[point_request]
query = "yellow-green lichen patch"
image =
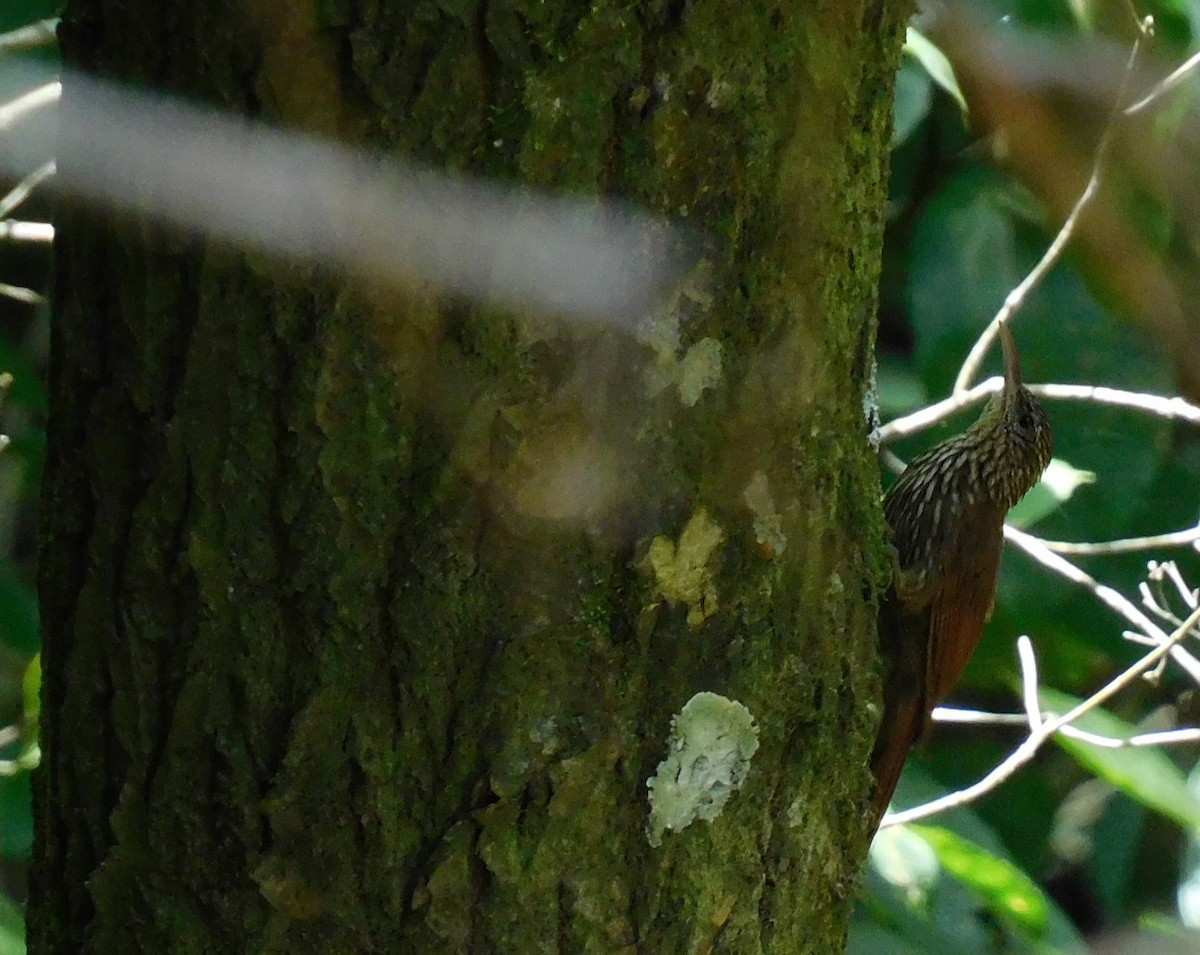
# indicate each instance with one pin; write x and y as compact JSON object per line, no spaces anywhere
{"x":684,"y":571}
{"x":699,"y":369}
{"x":708,"y":756}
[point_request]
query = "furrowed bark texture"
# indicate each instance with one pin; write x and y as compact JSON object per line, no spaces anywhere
{"x":367,"y":613}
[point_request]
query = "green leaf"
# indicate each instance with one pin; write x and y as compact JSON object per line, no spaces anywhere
{"x":19,"y":627}
{"x":19,"y":13}
{"x":16,"y":817}
{"x":901,"y":390}
{"x":963,"y":260}
{"x":868,"y":937}
{"x":912,"y":101}
{"x":952,"y":916}
{"x":28,"y":388}
{"x":935,"y":63}
{"x":1145,"y":774}
{"x":1187,"y":893}
{"x":947,"y":922}
{"x":12,"y":927}
{"x":1007,"y":891}
{"x":1060,"y":481}
{"x":905,"y":860}
{"x":1114,"y":831}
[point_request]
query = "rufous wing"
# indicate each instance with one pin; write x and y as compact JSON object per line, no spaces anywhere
{"x":958,"y":612}
{"x":928,"y":634}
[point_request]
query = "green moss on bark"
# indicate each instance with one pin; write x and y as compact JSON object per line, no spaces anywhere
{"x":346,"y":649}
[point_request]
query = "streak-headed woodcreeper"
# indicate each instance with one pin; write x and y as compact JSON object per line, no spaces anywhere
{"x":946,"y":513}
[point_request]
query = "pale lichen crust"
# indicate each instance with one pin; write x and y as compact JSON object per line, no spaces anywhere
{"x":708,"y":756}
{"x":768,"y":525}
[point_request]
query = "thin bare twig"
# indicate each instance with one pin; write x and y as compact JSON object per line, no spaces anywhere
{"x":22,"y":190}
{"x":1155,"y":599}
{"x":28,"y":37}
{"x":955,"y":714}
{"x":1140,"y":741}
{"x":1162,"y":88}
{"x":1173,"y":409}
{"x":26,"y":103}
{"x":16,"y":292}
{"x":1171,"y":570}
{"x":963,"y":717}
{"x":1029,"y":682}
{"x":938,"y":411}
{"x":1034,"y":741}
{"x":1110,"y":597}
{"x":1128,"y":545}
{"x":15,"y":230}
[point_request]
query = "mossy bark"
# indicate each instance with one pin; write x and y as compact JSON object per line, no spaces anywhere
{"x":366,"y":614}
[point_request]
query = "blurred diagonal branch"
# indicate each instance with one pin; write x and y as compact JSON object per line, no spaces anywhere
{"x":41,"y":33}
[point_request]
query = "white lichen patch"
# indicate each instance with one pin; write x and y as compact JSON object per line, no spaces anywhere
{"x":708,"y":756}
{"x":660,"y":330}
{"x":768,"y":527}
{"x":699,"y":369}
{"x":870,"y":407}
{"x":720,"y":92}
{"x":684,"y":571}
{"x":797,"y":812}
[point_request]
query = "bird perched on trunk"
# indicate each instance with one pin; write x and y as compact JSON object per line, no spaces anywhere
{"x":946,"y":513}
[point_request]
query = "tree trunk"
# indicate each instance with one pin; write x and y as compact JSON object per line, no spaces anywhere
{"x":367,"y":613}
